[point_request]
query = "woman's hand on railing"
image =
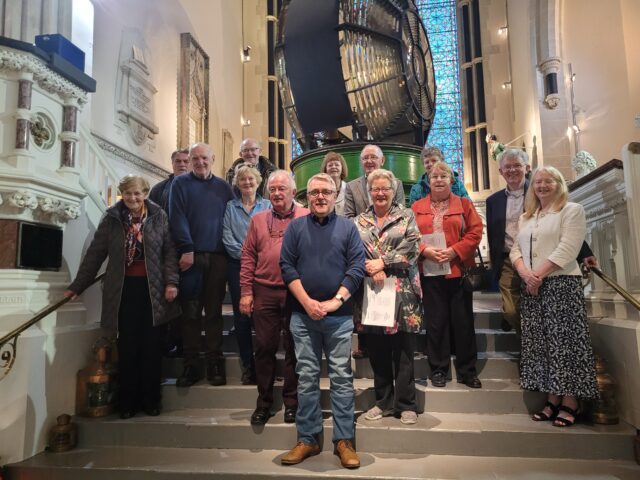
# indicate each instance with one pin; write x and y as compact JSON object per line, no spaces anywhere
{"x":70,"y":294}
{"x":170,"y":293}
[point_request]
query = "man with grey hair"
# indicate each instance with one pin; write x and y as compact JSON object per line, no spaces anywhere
{"x":263,"y":294}
{"x":503,"y":213}
{"x":356,"y":195}
{"x":250,"y":155}
{"x":322,"y":263}
{"x":197,"y":203}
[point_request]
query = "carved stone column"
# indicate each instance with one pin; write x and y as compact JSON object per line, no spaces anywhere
{"x":23,"y":113}
{"x":69,"y":136}
{"x":550,"y":68}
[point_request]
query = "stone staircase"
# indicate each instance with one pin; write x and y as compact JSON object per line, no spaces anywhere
{"x":204,"y":432}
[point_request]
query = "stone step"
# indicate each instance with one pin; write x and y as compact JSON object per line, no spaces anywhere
{"x":141,"y":463}
{"x":514,"y":435}
{"x":496,"y":397}
{"x":487,"y":340}
{"x":489,"y":365}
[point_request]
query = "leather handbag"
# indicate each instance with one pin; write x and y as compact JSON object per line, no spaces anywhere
{"x":475,"y":278}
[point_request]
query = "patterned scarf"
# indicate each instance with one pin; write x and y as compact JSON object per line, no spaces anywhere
{"x":132,"y":233}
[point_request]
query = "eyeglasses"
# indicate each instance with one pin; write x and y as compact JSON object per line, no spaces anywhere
{"x":278,"y":189}
{"x":249,"y":150}
{"x":381,"y":190}
{"x":324,"y":193}
{"x":512,"y":168}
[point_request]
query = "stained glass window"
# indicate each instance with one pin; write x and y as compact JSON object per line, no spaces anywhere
{"x":439,"y":18}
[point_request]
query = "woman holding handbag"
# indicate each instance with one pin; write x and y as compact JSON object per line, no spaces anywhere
{"x":452,"y":230}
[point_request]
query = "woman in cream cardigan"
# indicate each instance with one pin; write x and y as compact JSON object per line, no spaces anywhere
{"x":556,"y":348}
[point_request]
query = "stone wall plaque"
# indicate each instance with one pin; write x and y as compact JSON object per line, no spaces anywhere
{"x":193,"y":93}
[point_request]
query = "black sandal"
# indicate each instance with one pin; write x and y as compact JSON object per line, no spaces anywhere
{"x":541,"y":416}
{"x":565,"y":422}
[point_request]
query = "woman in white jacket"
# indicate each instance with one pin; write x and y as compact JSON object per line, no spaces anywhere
{"x":557,"y":357}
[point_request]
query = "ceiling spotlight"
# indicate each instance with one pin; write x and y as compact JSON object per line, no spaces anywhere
{"x":575,"y":128}
{"x":502,"y":31}
{"x":506,"y":85}
{"x":245,"y":122}
{"x":573,"y":77}
{"x":246,"y":53}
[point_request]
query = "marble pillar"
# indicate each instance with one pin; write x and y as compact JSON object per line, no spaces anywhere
{"x":69,"y":135}
{"x":23,"y":114}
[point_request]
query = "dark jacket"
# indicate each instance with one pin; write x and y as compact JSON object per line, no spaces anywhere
{"x":160,"y":193}
{"x":161,"y":262}
{"x":496,"y":223}
{"x":265,"y":167}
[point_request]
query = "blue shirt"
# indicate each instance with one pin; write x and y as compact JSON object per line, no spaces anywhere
{"x":422,"y":188}
{"x":236,"y":224}
{"x":323,"y":257}
{"x":196,"y":212}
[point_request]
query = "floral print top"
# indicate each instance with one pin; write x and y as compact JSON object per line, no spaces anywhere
{"x":397,"y":242}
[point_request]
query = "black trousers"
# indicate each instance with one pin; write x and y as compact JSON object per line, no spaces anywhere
{"x":139,"y":348}
{"x":448,"y":314}
{"x":211,"y":270}
{"x":391,"y":358}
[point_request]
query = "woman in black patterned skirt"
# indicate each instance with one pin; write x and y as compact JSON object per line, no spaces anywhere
{"x":556,"y":348}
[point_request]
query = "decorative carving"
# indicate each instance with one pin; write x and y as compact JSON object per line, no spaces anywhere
{"x":634,"y":147}
{"x":117,"y":152}
{"x":49,"y":205}
{"x":135,"y":91}
{"x":552,"y":101}
{"x":583,"y":163}
{"x":8,"y":352}
{"x":70,"y":212}
{"x":23,"y":199}
{"x":43,"y":131}
{"x":550,"y":65}
{"x":193,"y":92}
{"x":42,"y":74}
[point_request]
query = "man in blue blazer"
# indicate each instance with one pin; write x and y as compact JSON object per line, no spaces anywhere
{"x":503,"y":212}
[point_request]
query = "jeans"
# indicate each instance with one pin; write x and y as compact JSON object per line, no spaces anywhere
{"x":241,"y":322}
{"x":332,"y":335}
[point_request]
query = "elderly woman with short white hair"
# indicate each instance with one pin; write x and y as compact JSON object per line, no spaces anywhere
{"x":391,"y":242}
{"x":140,"y":282}
{"x":234,"y":231}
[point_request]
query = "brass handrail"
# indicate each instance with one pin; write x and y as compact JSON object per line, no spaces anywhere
{"x":616,"y":286}
{"x":9,"y":343}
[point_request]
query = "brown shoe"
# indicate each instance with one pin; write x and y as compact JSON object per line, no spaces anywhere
{"x":298,"y":453}
{"x":348,"y":456}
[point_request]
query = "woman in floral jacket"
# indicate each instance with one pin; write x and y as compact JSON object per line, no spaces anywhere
{"x":391,"y":240}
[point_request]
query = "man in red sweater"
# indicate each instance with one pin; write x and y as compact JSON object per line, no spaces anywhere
{"x":263,"y":291}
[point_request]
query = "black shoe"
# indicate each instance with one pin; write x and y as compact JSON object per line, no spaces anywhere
{"x":438,"y":379}
{"x":190,"y":375}
{"x":216,"y":373}
{"x":152,"y":410}
{"x":505,"y":326}
{"x":248,"y":376}
{"x":471,"y":381}
{"x":290,"y":414}
{"x":260,"y":416}
{"x":127,"y":413}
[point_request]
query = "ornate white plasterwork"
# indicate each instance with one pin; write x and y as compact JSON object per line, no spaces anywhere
{"x":583,"y":163}
{"x":55,"y":211}
{"x":46,"y":78}
{"x":122,"y":155}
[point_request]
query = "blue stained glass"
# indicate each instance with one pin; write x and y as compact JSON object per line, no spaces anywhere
{"x":439,"y":18}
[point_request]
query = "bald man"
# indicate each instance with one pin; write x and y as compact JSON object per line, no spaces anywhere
{"x":250,"y":155}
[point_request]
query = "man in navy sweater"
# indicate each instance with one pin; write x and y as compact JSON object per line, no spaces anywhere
{"x":322,"y":263}
{"x":197,"y":203}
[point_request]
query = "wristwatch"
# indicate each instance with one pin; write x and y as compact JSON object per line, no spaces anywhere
{"x":340,"y":298}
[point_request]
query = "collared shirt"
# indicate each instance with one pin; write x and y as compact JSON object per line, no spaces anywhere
{"x":260,"y":261}
{"x":515,"y":207}
{"x":236,"y":224}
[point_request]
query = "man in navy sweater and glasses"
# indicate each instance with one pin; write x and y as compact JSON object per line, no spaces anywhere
{"x":322,"y":263}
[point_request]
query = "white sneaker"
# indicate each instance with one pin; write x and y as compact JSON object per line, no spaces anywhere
{"x":374,"y":413}
{"x":408,"y":417}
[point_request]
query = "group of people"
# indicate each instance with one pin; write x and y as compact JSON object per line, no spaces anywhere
{"x":305,"y":276}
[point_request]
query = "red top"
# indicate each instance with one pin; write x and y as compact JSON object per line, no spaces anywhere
{"x":461,"y":213}
{"x":260,"y":259}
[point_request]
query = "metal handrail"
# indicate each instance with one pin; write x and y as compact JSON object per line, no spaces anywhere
{"x":616,"y":286}
{"x":9,"y":343}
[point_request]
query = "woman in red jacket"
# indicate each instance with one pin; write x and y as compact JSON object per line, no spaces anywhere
{"x":452,"y":231}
